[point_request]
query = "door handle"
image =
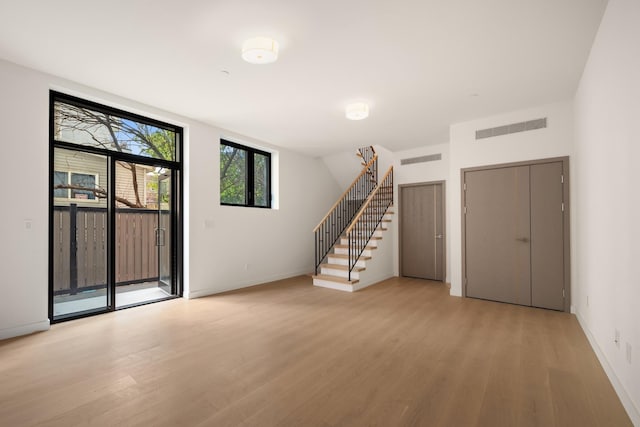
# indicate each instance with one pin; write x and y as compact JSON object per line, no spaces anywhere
{"x":438,"y":236}
{"x":522,"y":239}
{"x":159,"y":236}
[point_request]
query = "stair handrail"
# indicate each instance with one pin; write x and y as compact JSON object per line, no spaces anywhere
{"x":353,"y":184}
{"x":370,"y":198}
{"x":366,"y":153}
{"x":359,"y":232}
{"x":333,"y":224}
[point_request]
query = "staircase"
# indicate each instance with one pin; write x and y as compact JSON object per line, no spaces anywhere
{"x":348,"y":237}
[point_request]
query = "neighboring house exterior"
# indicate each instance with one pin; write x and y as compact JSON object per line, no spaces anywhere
{"x":79,"y":169}
{"x":88,"y":170}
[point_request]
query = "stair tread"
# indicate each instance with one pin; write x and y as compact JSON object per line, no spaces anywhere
{"x":366,"y":213}
{"x":335,"y":279}
{"x":342,"y":267}
{"x":368,"y":248}
{"x":345,"y":256}
{"x":372,"y":237}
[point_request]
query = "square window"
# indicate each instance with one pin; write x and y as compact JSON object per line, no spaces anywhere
{"x":245,"y":176}
{"x":261,"y":177}
{"x":68,"y":180}
{"x":86,"y":181}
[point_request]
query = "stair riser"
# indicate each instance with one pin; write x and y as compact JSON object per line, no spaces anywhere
{"x":333,"y":285}
{"x":342,"y":251}
{"x":379,"y":232}
{"x":340,"y":273}
{"x":341,"y":261}
{"x":385,"y":220}
{"x":372,"y":242}
{"x":374,"y":215}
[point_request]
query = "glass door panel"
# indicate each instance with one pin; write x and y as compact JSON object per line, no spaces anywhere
{"x":164,"y":232}
{"x":80,"y":233}
{"x":142,"y":234}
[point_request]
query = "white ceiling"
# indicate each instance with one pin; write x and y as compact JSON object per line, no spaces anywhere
{"x":416,"y":62}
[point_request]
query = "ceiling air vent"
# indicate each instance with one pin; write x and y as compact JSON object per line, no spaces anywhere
{"x":512,"y":128}
{"x":421,"y":159}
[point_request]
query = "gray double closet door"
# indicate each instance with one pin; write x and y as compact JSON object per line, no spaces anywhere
{"x":514,"y":237}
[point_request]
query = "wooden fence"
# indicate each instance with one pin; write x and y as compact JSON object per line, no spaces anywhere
{"x":80,"y":263}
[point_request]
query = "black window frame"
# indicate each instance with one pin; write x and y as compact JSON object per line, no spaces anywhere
{"x":250,"y":176}
{"x":111,"y":157}
{"x":59,"y":97}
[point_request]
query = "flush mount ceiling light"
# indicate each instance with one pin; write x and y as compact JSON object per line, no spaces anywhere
{"x":357,"y":111}
{"x":260,"y":50}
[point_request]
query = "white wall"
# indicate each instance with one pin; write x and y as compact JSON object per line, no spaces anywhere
{"x":554,"y":141}
{"x":380,"y":266}
{"x":219,"y":240}
{"x":232,"y":247}
{"x":607,"y":198}
{"x":385,"y":159}
{"x":23,"y":262}
{"x":419,"y":173}
{"x":344,"y":167}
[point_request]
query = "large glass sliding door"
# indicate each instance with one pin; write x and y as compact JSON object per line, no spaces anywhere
{"x":115,"y":230}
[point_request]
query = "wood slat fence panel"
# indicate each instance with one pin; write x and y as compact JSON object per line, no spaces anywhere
{"x":136,"y":254}
{"x":136,"y":251}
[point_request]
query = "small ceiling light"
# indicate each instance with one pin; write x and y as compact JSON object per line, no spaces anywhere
{"x":260,"y":50}
{"x":357,"y":111}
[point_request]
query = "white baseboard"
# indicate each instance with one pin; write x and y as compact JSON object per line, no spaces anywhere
{"x":212,"y":291}
{"x":628,"y":404}
{"x":30,"y":328}
{"x":454,"y":292}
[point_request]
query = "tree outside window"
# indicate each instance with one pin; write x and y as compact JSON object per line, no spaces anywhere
{"x":81,"y":125}
{"x":245,"y":174}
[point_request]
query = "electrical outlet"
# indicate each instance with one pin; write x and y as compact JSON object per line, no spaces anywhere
{"x":616,"y":339}
{"x":587,"y":300}
{"x":629,"y":353}
{"x":246,"y":267}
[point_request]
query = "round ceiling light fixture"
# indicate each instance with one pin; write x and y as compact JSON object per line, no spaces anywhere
{"x":357,"y":111}
{"x":260,"y":50}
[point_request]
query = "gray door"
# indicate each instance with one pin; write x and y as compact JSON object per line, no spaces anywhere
{"x":498,"y":235}
{"x":422,"y":231}
{"x":547,"y":236}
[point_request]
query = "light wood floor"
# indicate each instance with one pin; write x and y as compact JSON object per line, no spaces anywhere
{"x":399,"y":353}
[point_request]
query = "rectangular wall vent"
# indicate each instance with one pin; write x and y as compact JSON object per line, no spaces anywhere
{"x":512,"y":128}
{"x":421,"y":159}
